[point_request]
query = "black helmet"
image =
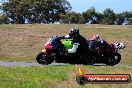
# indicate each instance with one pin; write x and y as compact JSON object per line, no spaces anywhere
{"x":74,"y":32}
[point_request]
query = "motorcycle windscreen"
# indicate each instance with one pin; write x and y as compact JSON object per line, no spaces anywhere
{"x":53,"y":43}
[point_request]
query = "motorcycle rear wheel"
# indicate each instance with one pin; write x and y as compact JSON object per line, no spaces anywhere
{"x":44,"y":59}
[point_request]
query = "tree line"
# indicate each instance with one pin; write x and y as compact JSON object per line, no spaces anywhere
{"x":51,"y":11}
{"x":91,"y":16}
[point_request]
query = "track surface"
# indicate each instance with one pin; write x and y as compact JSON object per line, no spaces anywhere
{"x":28,"y":64}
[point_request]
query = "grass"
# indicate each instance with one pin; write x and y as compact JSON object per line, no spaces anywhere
{"x":24,"y":42}
{"x":55,"y":76}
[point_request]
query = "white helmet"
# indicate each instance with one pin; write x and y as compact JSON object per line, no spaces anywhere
{"x":119,"y":45}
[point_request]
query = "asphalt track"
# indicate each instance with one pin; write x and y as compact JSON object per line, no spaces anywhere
{"x":29,"y":64}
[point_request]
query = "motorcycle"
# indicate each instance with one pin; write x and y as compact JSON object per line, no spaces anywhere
{"x":56,"y":50}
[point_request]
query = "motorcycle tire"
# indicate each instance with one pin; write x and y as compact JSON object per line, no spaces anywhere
{"x":115,"y":59}
{"x":44,"y":59}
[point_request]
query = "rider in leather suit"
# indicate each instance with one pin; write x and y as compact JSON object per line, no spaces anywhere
{"x":80,"y":44}
{"x":97,"y":42}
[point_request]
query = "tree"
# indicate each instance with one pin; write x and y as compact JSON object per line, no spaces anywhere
{"x":4,"y":19}
{"x":99,"y":18}
{"x":35,"y":11}
{"x":108,"y":17}
{"x":130,"y":21}
{"x":119,"y":19}
{"x":127,"y":17}
{"x":72,"y":17}
{"x":91,"y":16}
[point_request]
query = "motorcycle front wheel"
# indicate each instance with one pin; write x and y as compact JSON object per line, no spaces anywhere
{"x":115,"y":59}
{"x":44,"y":59}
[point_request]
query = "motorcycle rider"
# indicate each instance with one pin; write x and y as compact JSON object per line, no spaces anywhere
{"x":96,"y":38}
{"x":79,"y":42}
{"x":96,"y":42}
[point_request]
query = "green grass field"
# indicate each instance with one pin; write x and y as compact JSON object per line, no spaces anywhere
{"x":24,"y":42}
{"x":55,"y":77}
